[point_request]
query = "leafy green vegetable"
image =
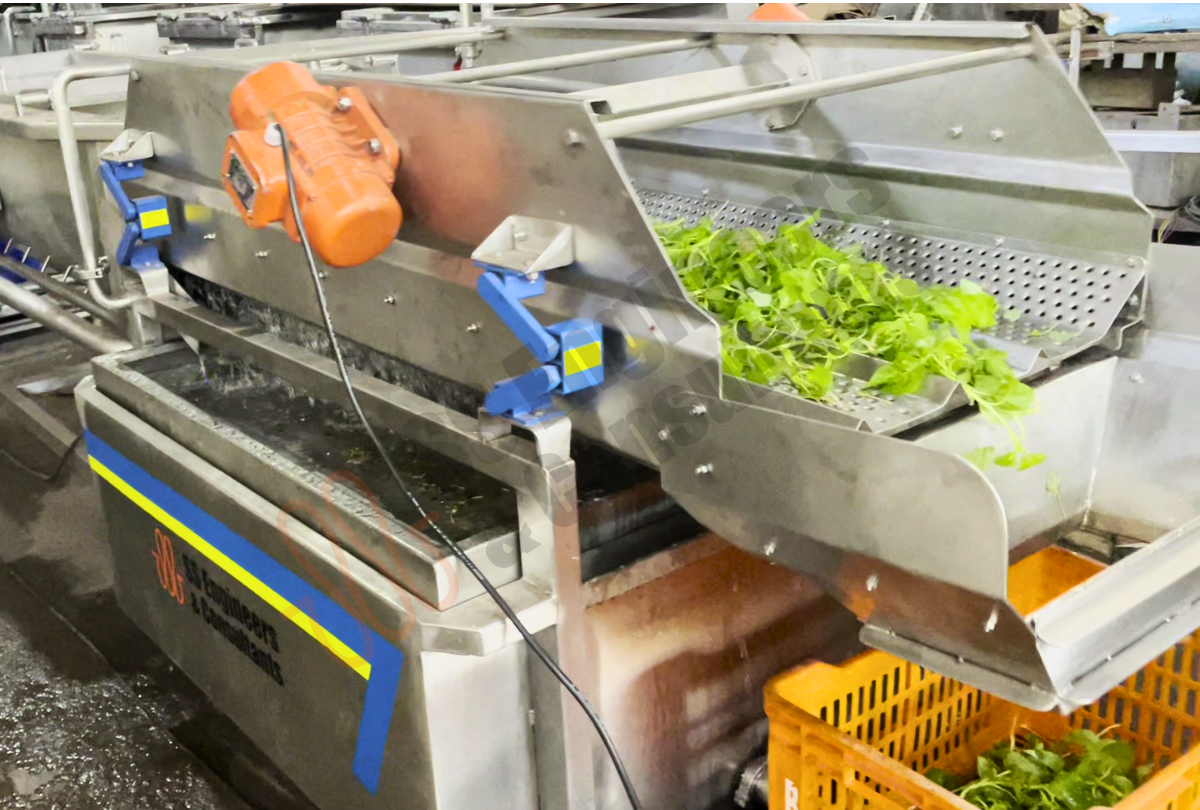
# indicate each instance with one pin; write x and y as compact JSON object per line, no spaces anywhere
{"x":792,"y":308}
{"x":1081,"y":771}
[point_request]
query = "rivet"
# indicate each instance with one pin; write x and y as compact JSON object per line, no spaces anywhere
{"x":389,"y":299}
{"x":344,"y":103}
{"x":704,"y":469}
{"x":872,"y":582}
{"x":698,"y":410}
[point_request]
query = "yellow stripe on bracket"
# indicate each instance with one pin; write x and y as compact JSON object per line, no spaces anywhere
{"x":155,"y":218}
{"x":582,"y":358}
{"x":298,"y":617}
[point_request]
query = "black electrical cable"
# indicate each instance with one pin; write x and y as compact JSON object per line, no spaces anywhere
{"x":545,"y":658}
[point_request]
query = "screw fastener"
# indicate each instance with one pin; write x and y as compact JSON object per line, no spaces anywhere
{"x":704,"y":469}
{"x":344,"y":103}
{"x":473,"y":328}
{"x":698,"y":410}
{"x":389,"y":299}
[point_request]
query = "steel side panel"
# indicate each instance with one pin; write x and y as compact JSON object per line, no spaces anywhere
{"x":311,"y":724}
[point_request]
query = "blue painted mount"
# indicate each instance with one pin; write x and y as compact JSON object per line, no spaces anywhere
{"x":570,"y":352}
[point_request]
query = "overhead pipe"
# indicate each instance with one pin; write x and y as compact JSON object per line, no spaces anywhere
{"x":41,"y":309}
{"x":568,"y":60}
{"x":792,"y":94}
{"x":75,"y":180}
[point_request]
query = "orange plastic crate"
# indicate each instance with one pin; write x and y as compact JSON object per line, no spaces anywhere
{"x":862,"y":734}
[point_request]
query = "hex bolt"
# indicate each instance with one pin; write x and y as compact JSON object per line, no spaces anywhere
{"x":996,"y":134}
{"x":887,"y":223}
{"x":998,"y":241}
{"x":1131,"y":262}
{"x":703,"y":192}
{"x":262,"y":254}
{"x":321,"y":274}
{"x":208,"y":237}
{"x":375,"y":145}
{"x":572,"y":137}
{"x":698,"y":410}
{"x":473,"y":328}
{"x":769,"y":548}
{"x":1134,"y":300}
{"x":664,"y":434}
{"x":704,"y":469}
{"x":956,"y":131}
{"x":872,"y":582}
{"x":1136,"y":378}
{"x":389,"y":299}
{"x":344,"y":104}
{"x":134,"y":76}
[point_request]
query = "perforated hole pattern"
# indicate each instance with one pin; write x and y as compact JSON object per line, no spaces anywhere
{"x":1051,"y":292}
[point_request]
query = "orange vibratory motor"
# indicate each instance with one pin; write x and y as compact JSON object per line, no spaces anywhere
{"x":343,"y":158}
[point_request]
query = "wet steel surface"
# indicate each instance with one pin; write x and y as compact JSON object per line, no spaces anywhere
{"x":92,"y":714}
{"x":325,"y":437}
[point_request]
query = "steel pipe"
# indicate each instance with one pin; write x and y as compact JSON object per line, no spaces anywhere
{"x":74,"y":168}
{"x":704,"y":111}
{"x":41,"y":309}
{"x":57,"y":288}
{"x":567,"y":60}
{"x":344,"y":47}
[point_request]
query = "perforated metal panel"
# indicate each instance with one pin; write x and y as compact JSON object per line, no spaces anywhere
{"x":1066,"y":305}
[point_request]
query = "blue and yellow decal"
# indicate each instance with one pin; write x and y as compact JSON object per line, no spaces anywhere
{"x":357,"y":646}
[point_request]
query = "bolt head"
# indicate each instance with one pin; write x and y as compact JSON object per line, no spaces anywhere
{"x":698,"y":410}
{"x":704,"y":469}
{"x":473,"y":328}
{"x":664,"y":434}
{"x":769,"y":548}
{"x":573,"y":137}
{"x":262,"y":254}
{"x":998,"y":241}
{"x":996,"y":134}
{"x":208,"y":237}
{"x":389,"y":299}
{"x":872,"y":582}
{"x":1131,"y":262}
{"x":344,"y":103}
{"x":375,"y":145}
{"x":956,"y":131}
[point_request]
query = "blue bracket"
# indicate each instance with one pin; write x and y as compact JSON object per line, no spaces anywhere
{"x":570,"y":352}
{"x":145,"y":218}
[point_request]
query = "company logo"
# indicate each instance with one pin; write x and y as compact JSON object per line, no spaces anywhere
{"x":164,"y":563}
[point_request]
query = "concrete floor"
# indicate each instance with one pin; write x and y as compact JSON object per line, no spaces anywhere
{"x":92,"y":715}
